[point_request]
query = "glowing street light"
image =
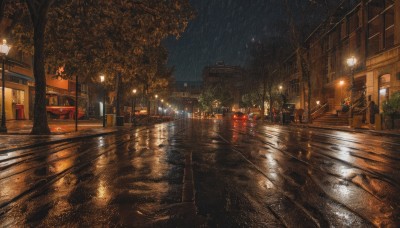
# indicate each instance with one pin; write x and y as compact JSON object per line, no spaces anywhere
{"x":162,"y":107}
{"x":4,"y":49}
{"x":102,"y":79}
{"x":341,"y":83}
{"x":156,"y":104}
{"x":351,"y":62}
{"x":134,"y":106}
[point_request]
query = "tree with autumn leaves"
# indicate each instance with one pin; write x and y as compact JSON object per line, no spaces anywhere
{"x":120,"y":39}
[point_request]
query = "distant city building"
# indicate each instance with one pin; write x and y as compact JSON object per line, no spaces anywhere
{"x":229,"y":76}
{"x":186,"y":94}
{"x":187,"y":89}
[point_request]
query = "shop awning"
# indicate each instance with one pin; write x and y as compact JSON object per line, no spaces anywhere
{"x":15,"y":74}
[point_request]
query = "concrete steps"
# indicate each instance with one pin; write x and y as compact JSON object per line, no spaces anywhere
{"x":332,"y":119}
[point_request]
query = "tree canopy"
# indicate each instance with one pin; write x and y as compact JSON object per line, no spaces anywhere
{"x":90,"y":37}
{"x":263,"y":70}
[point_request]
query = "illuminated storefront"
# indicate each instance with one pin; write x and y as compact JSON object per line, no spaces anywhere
{"x":16,"y":95}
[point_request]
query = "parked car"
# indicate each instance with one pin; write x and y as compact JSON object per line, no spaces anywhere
{"x":239,"y":116}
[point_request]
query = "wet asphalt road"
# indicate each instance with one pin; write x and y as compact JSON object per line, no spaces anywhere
{"x":244,"y":175}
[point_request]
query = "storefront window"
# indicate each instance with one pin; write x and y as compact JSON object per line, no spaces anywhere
{"x":13,"y":97}
{"x":51,"y":100}
{"x":18,"y":96}
{"x":384,"y":86}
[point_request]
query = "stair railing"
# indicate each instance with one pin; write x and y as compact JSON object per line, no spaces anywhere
{"x":356,"y":104}
{"x":319,"y":111}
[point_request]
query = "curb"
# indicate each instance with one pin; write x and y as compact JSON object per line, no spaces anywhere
{"x":72,"y":138}
{"x":67,"y":139}
{"x":359,"y":130}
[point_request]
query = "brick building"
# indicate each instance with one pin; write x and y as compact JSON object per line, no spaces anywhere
{"x":369,"y":30}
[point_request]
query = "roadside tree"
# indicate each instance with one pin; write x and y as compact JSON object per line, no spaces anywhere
{"x":91,"y":37}
{"x":262,"y":83}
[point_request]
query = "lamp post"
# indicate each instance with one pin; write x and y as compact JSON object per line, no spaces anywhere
{"x":156,"y":103}
{"x":351,"y":62}
{"x":102,"y":78}
{"x":162,"y":107}
{"x":76,"y":101}
{"x":4,"y":49}
{"x":341,"y":83}
{"x":134,"y":106}
{"x":282,"y":107}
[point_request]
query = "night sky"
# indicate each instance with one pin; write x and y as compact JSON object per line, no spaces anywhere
{"x":221,"y":31}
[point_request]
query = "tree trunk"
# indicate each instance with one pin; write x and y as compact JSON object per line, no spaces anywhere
{"x":40,"y":124}
{"x":117,"y":93}
{"x":262,"y":107}
{"x":270,"y":100}
{"x":76,"y":102}
{"x":146,"y":92}
{"x":309,"y":98}
{"x":306,"y":75}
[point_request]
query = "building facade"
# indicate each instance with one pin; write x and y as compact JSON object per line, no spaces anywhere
{"x":369,"y":30}
{"x":228,"y":76}
{"x":185,"y":95}
{"x":20,"y":90}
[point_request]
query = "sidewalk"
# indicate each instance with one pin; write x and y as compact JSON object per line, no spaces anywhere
{"x":56,"y":126}
{"x":62,"y":130}
{"x":18,"y":132}
{"x":363,"y":129}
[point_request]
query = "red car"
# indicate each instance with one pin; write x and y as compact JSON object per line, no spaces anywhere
{"x":239,"y":116}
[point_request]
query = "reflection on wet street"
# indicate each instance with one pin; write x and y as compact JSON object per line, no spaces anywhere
{"x":122,"y":179}
{"x":244,"y":174}
{"x":249,"y":174}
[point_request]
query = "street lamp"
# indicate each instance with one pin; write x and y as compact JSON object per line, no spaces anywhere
{"x":102,"y":78}
{"x":351,"y":62}
{"x":133,"y":106}
{"x":162,"y":107}
{"x":4,"y":49}
{"x":156,"y":104}
{"x":341,"y":83}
